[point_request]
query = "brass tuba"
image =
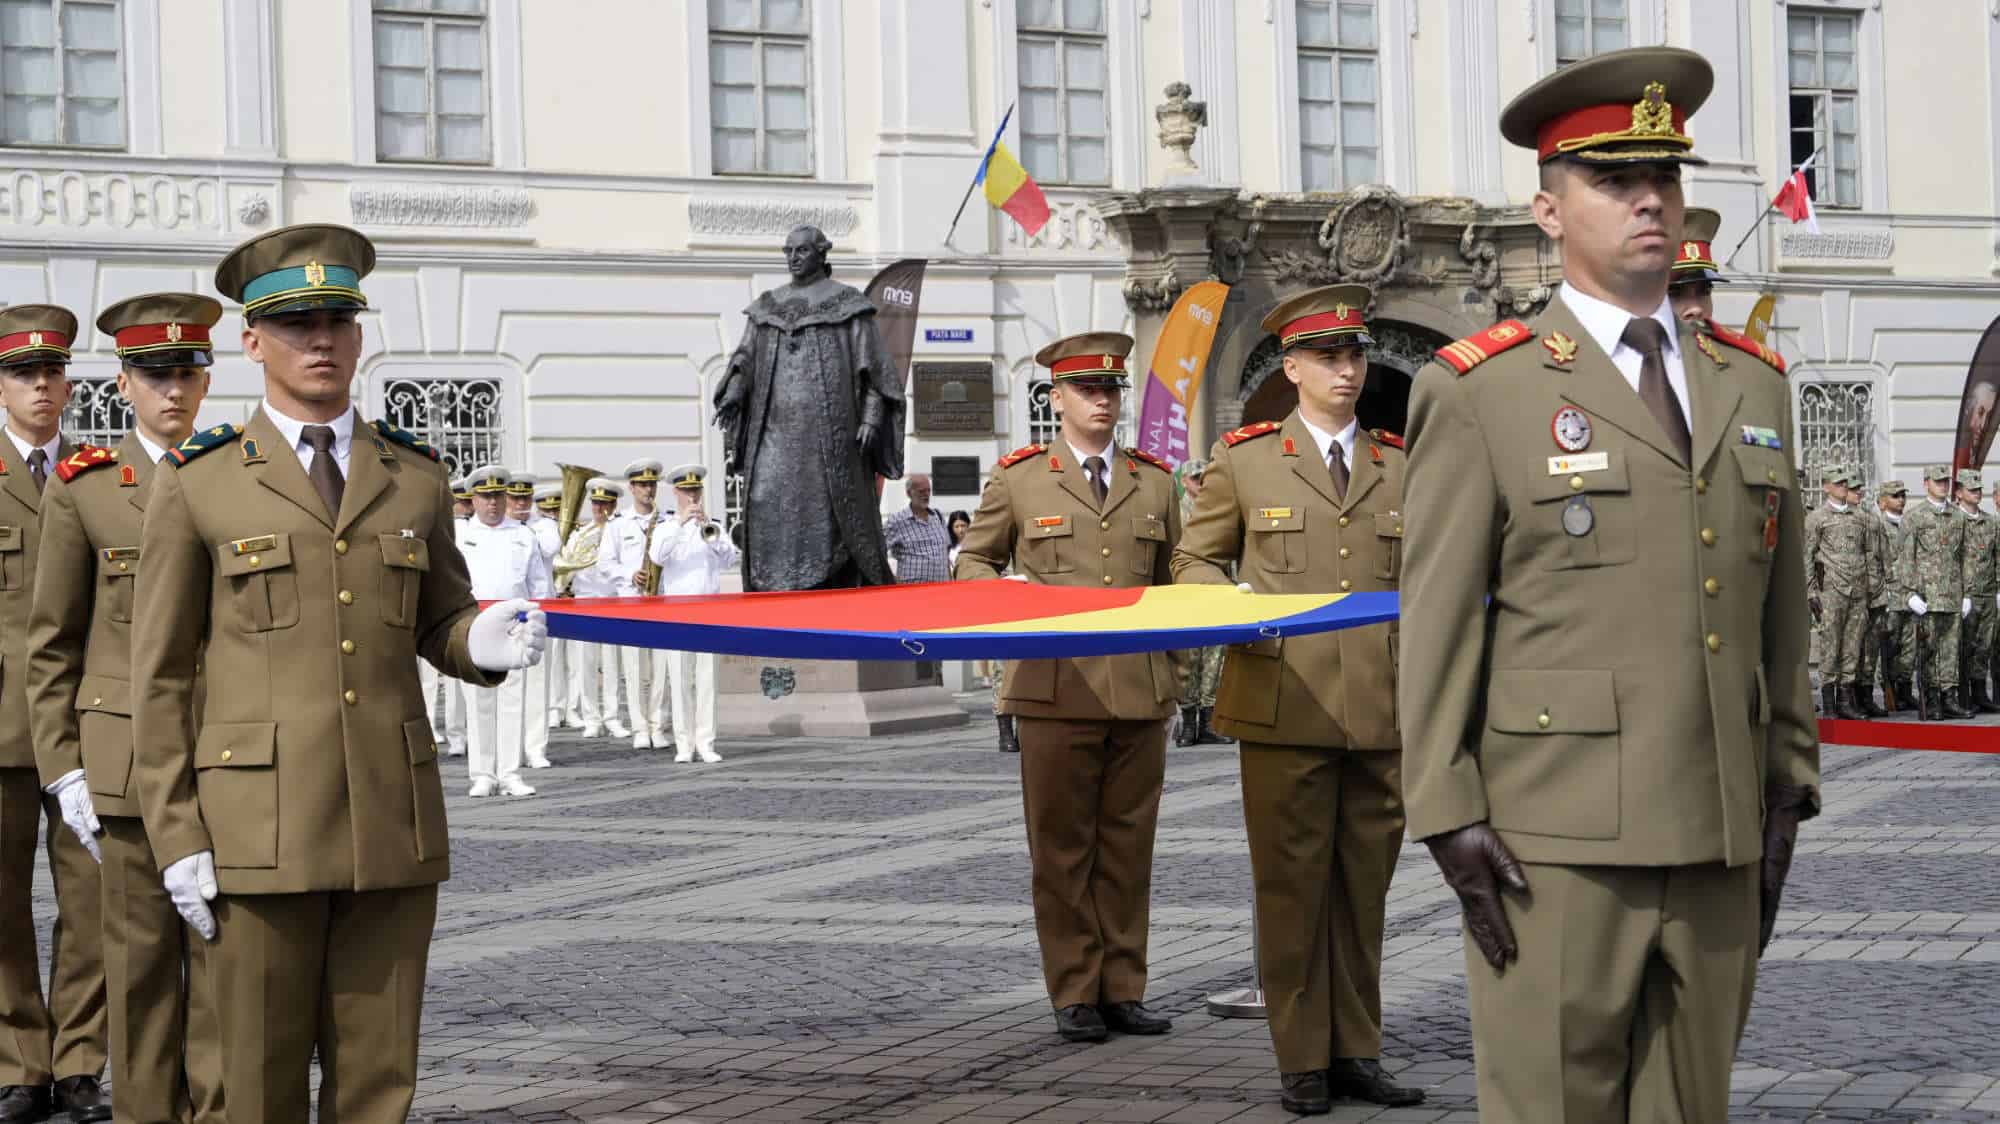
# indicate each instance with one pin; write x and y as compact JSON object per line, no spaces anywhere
{"x":575,"y":485}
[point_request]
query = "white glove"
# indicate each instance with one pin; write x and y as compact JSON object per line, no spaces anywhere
{"x":1015,"y":578}
{"x":1917,"y":605}
{"x":191,"y":883}
{"x":73,"y":797}
{"x":1244,"y":587}
{"x":499,"y":642}
{"x":1965,"y":607}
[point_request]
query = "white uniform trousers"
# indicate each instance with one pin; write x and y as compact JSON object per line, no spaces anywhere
{"x":533,"y":688}
{"x":494,"y":715}
{"x":454,"y":716}
{"x":430,"y":679}
{"x":693,"y":676}
{"x":598,"y":677}
{"x":645,"y":688}
{"x":561,"y":704}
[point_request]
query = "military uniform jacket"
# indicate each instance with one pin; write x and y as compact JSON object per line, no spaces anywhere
{"x":1838,"y":553}
{"x":1038,"y":514}
{"x":315,"y":768}
{"x":1882,"y":580}
{"x":20,"y":538}
{"x":1982,"y":565}
{"x":1268,"y":508}
{"x":1611,"y":689}
{"x":1934,"y":554}
{"x":80,"y":633}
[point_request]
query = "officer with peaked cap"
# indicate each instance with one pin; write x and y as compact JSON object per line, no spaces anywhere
{"x":164,"y":1049}
{"x":1933,"y":565}
{"x":1093,"y":730}
{"x":505,"y":561}
{"x":55,"y":1048}
{"x":691,"y":552}
{"x":1608,"y":737}
{"x":1695,"y":274}
{"x":306,"y":561}
{"x":644,"y":669}
{"x":592,"y":555}
{"x":1314,"y":504}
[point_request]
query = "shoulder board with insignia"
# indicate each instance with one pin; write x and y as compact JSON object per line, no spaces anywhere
{"x":1470,"y":352}
{"x":1148,"y":458}
{"x":405,"y":438}
{"x":1393,"y":440}
{"x":1021,"y":454}
{"x":1239,"y":436}
{"x":1745,"y":343}
{"x":204,"y":440}
{"x":83,"y":460}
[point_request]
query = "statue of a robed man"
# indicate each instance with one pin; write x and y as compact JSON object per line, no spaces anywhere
{"x":811,"y":411}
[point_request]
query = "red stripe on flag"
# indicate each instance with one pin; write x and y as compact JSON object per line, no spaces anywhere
{"x":1028,"y":206}
{"x":903,"y":608}
{"x":1941,"y":737}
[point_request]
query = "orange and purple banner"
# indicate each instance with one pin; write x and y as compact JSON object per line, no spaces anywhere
{"x":1173,"y":379}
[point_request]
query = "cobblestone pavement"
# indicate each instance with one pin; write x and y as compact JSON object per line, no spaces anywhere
{"x":840,"y":931}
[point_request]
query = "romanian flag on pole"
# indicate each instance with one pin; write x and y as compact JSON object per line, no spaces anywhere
{"x":1008,"y":185}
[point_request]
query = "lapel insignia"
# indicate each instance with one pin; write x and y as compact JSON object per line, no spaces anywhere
{"x":128,"y":477}
{"x":1291,"y":450}
{"x":1709,"y":349}
{"x":382,"y":449}
{"x":1571,"y":429}
{"x":1375,"y":451}
{"x":1055,"y":463}
{"x":251,"y":453}
{"x":1562,"y":349}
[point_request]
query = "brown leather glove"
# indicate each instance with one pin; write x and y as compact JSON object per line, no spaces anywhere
{"x":1784,"y":806}
{"x":1476,"y":864}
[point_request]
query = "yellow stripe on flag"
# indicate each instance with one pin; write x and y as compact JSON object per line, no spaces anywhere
{"x":1171,"y":606}
{"x":1004,"y":175}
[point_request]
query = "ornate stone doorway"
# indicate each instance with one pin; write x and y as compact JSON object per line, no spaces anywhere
{"x":1400,"y":348}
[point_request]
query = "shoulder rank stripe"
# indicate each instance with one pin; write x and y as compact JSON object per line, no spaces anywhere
{"x":405,"y":438}
{"x":1021,"y":454}
{"x":1470,"y":352}
{"x":203,"y":441}
{"x":1745,"y":343}
{"x":83,"y":460}
{"x":1239,"y":436}
{"x":1393,"y":440}
{"x":1148,"y":458}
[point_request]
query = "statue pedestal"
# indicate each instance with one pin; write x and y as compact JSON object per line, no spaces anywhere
{"x":829,"y":698}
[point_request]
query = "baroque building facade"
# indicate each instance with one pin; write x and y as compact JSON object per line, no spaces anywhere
{"x":574,"y":201}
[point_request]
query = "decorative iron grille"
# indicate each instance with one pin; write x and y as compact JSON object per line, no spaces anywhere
{"x":460,"y":418}
{"x":1836,"y":426}
{"x":735,"y":496}
{"x":1045,"y":425}
{"x":98,"y":414}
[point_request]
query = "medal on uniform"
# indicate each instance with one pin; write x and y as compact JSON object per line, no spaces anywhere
{"x":1771,"y":501}
{"x":1578,"y":519}
{"x":1571,"y":429}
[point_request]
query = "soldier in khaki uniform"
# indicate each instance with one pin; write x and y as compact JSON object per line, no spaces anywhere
{"x":308,"y":560}
{"x":163,"y":1045}
{"x":1608,"y":738}
{"x":1314,"y":505}
{"x":1093,"y":731}
{"x":62,"y":1039}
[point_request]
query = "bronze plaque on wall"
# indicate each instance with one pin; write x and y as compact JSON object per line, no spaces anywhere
{"x":952,"y":398}
{"x":955,"y":476}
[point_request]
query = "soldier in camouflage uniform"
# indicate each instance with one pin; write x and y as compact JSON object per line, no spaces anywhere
{"x":1204,"y":665}
{"x":1982,"y":585}
{"x":1934,"y":568}
{"x":1889,"y":618}
{"x":1879,"y":592}
{"x":1839,"y":561}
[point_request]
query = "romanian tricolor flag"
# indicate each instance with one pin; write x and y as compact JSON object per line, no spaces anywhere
{"x":1008,"y":185}
{"x":960,"y":620}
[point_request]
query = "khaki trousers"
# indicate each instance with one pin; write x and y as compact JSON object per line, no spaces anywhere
{"x":342,"y":971}
{"x":166,"y":1049}
{"x":1325,"y":828}
{"x":1627,"y":1001}
{"x":1091,"y":791}
{"x":63,"y":1037}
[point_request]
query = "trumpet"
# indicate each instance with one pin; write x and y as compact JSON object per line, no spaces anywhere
{"x":711,"y":531}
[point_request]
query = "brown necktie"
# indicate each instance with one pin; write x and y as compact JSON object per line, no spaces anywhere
{"x":38,"y":468}
{"x":1645,"y":336}
{"x":324,"y":472}
{"x":1336,"y":463}
{"x":1093,"y":467}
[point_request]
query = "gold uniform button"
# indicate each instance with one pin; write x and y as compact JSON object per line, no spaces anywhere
{"x":1771,"y":474}
{"x":255,"y":559}
{"x":1399,"y":528}
{"x":122,"y":567}
{"x":1543,"y":720}
{"x":1346,"y":585}
{"x":1714,"y":642}
{"x":1106,"y":552}
{"x":1711,"y":587}
{"x":1344,"y":552}
{"x":1576,"y":483}
{"x":1708,"y":536}
{"x":1344,"y":520}
{"x":97,"y":702}
{"x":351,"y":697}
{"x":347,"y":597}
{"x":1700,"y":486}
{"x":1104,"y":525}
{"x":340,"y":546}
{"x":1107,"y":579}
{"x":227,"y":754}
{"x":347,"y":647}
{"x":410,"y":557}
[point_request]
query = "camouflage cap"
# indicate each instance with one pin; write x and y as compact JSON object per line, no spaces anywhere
{"x":1940,"y":472}
{"x":1889,"y":488}
{"x":1969,"y":478}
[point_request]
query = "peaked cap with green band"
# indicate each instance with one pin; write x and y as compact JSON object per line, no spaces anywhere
{"x":297,"y":269}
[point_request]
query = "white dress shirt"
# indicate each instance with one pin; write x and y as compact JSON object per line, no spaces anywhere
{"x":504,"y":561}
{"x":630,"y":528}
{"x":1606,"y":324}
{"x":1104,"y":454}
{"x":294,"y":430}
{"x":153,"y":452}
{"x":689,"y":563}
{"x":22,"y":447}
{"x":1345,"y":437}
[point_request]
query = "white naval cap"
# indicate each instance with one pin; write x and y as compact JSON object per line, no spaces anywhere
{"x":689,"y":476}
{"x":487,"y":479}
{"x":547,"y":492}
{"x":605,"y":489}
{"x":460,"y":490}
{"x":645,"y":470}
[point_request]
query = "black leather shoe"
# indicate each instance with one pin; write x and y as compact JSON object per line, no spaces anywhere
{"x":1080,"y":1022}
{"x":1132,"y":1017}
{"x":1306,"y":1093}
{"x":1364,"y":1079}
{"x":83,"y":1098}
{"x":24,"y":1104}
{"x":1010,"y":742}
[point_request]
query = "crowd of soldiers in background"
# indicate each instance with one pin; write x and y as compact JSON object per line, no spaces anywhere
{"x":1906,"y":596}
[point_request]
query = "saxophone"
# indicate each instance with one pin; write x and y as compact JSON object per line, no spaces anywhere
{"x":579,"y":553}
{"x":648,"y":578}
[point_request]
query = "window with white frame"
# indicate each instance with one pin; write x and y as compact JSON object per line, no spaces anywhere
{"x":1590,"y":27}
{"x":1339,"y":94}
{"x":760,"y":106}
{"x":430,"y":81}
{"x":1825,"y":103}
{"x":62,"y":73}
{"x":1065,"y":125}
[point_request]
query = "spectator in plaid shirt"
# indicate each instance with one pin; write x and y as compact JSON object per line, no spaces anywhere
{"x":917,"y":538}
